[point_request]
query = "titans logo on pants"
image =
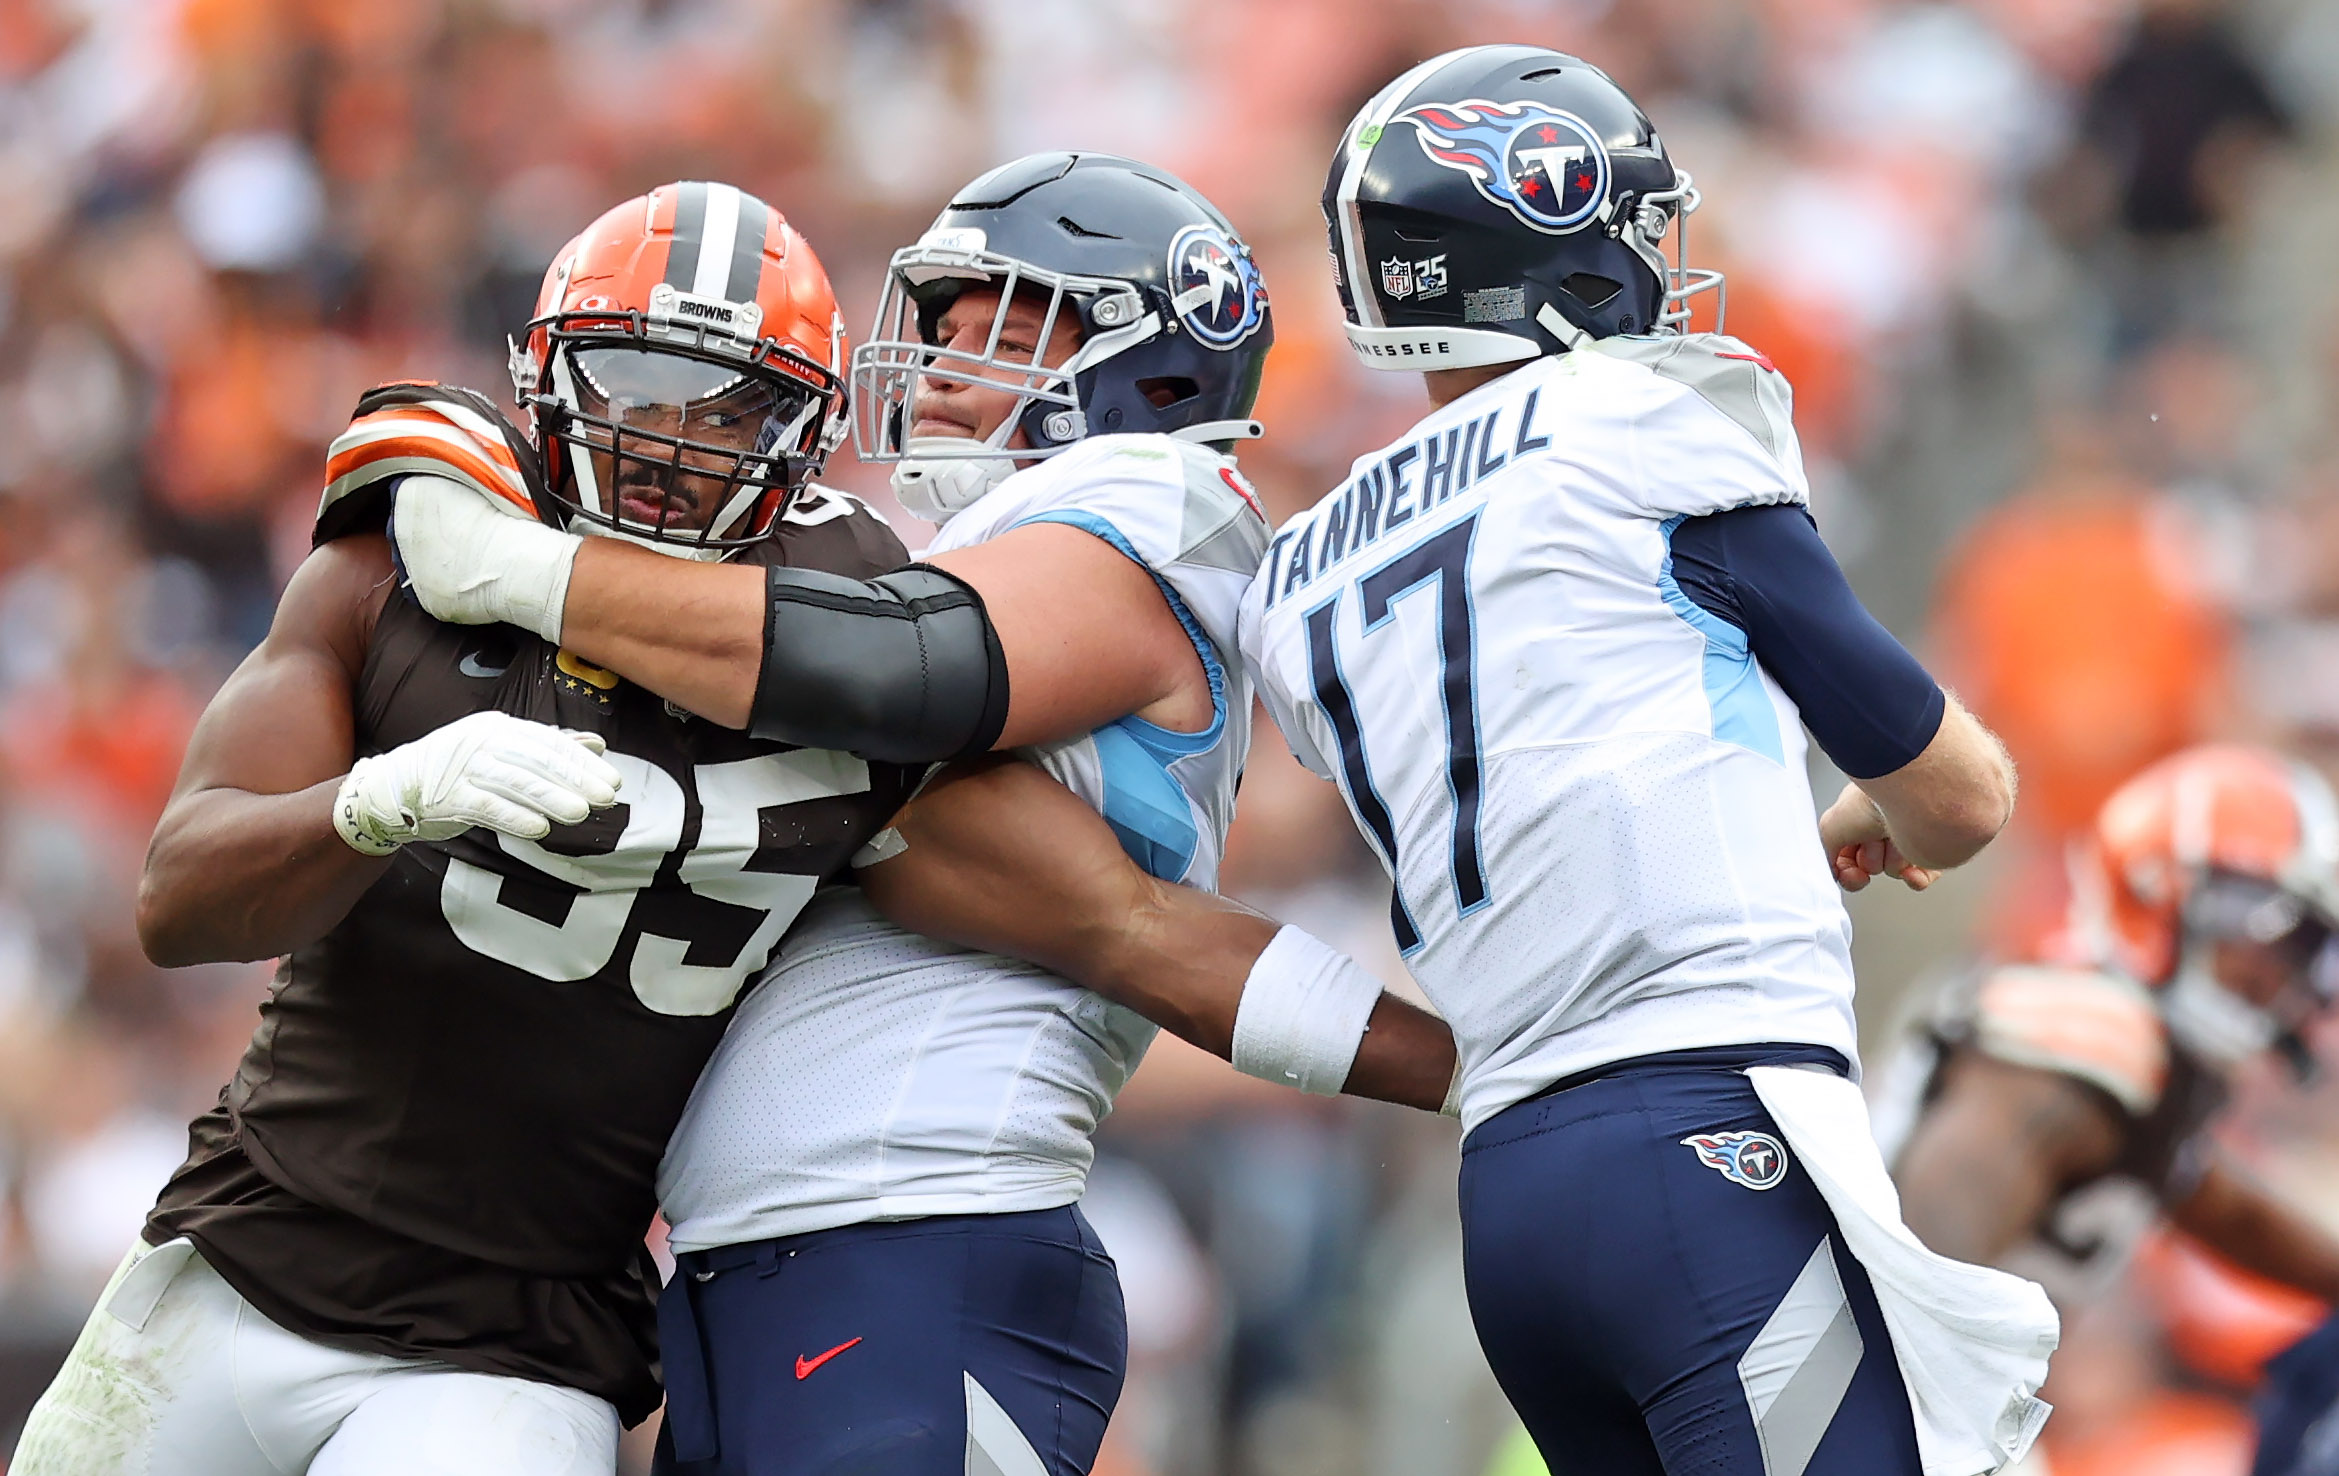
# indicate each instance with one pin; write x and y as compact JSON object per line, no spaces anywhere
{"x":1214,"y":286}
{"x":1756,"y":1160}
{"x":1545,"y":166}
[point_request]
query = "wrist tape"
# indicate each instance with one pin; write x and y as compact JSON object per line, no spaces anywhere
{"x":1303,"y":1014}
{"x":355,"y":819}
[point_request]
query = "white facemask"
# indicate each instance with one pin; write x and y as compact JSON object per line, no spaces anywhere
{"x":2211,"y":1021}
{"x":934,"y":485}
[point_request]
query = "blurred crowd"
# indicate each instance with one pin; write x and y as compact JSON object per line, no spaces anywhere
{"x":2049,"y":277}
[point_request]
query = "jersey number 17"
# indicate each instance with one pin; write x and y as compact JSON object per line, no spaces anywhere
{"x":1440,"y":562}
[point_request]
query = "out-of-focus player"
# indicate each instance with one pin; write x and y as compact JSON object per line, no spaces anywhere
{"x":881,"y":1265}
{"x":516,"y":898}
{"x":2060,"y":1106}
{"x":1558,"y":644}
{"x":2065,"y":1101}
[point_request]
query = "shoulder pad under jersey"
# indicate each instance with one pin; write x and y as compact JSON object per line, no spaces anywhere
{"x":413,"y":426}
{"x":2097,"y":1027}
{"x":1735,"y":379}
{"x":833,"y":531}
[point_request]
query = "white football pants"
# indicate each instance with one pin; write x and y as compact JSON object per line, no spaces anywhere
{"x":176,"y":1375}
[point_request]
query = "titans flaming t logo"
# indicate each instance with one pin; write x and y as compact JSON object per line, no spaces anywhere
{"x":1214,"y":287}
{"x":1544,"y":166}
{"x":1757,"y":1160}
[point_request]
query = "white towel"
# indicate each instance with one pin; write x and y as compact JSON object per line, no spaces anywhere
{"x":1972,"y":1342}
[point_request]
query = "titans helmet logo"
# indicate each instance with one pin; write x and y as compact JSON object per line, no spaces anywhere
{"x":1214,"y":287}
{"x":1757,"y":1160}
{"x":1544,"y":166}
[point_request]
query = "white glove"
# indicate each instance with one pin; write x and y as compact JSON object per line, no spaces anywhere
{"x":475,"y":560}
{"x":490,"y":769}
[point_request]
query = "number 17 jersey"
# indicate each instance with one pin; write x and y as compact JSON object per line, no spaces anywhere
{"x":1590,"y":797}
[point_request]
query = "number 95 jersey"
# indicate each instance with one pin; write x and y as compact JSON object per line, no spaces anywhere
{"x":1590,"y":796}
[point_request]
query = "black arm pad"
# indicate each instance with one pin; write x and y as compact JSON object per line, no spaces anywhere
{"x":904,"y":668}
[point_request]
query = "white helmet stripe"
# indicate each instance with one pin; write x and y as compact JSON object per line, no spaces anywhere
{"x":1352,"y":161}
{"x":716,"y":241}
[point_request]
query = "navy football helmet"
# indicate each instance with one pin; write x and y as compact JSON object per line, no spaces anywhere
{"x":1499,"y":203}
{"x":1174,"y":327}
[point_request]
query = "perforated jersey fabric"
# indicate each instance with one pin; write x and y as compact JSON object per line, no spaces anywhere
{"x":1590,"y":794}
{"x":875,"y":1075}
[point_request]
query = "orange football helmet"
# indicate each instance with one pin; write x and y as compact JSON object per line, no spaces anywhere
{"x":683,"y":373}
{"x":2222,"y":843}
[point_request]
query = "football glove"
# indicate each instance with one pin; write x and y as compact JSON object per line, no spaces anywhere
{"x":472,"y":563}
{"x":491,"y":769}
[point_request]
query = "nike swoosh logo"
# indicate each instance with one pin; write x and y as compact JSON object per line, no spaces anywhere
{"x":472,"y":666}
{"x":805,"y":1366}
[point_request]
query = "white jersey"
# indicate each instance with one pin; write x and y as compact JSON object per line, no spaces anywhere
{"x":1591,"y":798}
{"x":873,"y":1074}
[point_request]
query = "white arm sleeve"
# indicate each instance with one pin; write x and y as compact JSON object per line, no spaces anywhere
{"x":1303,"y":1014}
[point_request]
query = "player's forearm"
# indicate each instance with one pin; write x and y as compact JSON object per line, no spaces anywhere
{"x":692,"y":633}
{"x":1002,"y":858}
{"x":1182,"y":959}
{"x":1177,"y":956}
{"x":233,"y":875}
{"x":1952,"y":799}
{"x":1966,"y":1191}
{"x":2236,"y":1217}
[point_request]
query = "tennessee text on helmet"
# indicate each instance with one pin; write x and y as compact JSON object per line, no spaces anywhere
{"x":684,"y":370}
{"x":1171,"y":314}
{"x":1498,"y":203}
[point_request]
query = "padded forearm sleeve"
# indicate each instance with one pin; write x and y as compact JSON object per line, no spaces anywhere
{"x":904,"y":668}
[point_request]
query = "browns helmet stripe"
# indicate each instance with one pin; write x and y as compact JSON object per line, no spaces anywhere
{"x":747,"y":251}
{"x":690,"y":220}
{"x":714,"y":241}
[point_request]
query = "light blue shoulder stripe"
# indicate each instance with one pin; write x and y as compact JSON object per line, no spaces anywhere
{"x":1742,"y":709}
{"x":1146,"y":808}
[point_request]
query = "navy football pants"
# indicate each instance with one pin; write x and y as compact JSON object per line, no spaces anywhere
{"x":914,"y":1348}
{"x":2298,"y":1409}
{"x":1649,"y":1314}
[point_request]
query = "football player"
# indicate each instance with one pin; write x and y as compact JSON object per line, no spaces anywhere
{"x":880,"y":1169}
{"x":409,"y":1237}
{"x":1559,"y":644}
{"x":2066,"y":1100}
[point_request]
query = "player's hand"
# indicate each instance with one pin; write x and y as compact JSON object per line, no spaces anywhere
{"x":475,"y":560}
{"x":490,"y":769}
{"x":1859,"y":844}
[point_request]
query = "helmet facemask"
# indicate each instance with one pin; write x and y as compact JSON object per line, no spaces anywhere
{"x":1643,"y":228}
{"x":937,"y":475}
{"x":691,"y":448}
{"x":2255,"y":967}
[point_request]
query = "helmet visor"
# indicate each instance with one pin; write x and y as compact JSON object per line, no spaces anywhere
{"x":675,"y":448}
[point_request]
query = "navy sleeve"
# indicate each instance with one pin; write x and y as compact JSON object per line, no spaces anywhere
{"x":1763,"y":569}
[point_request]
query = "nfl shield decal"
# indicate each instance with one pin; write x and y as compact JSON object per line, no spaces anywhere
{"x":1214,"y":287}
{"x":1397,"y":278}
{"x":1756,"y":1160}
{"x":1543,"y":165}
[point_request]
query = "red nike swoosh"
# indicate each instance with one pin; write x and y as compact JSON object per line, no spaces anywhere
{"x":805,"y":1366}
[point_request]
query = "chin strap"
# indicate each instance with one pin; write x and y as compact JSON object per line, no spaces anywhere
{"x":933,"y":483}
{"x":1219,"y":430}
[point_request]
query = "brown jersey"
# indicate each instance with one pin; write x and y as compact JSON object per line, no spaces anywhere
{"x":444,"y":1137}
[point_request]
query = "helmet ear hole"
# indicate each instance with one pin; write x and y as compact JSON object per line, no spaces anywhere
{"x":1591,"y":289}
{"x":1162,"y":392}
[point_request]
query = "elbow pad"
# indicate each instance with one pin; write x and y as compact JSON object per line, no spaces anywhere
{"x":904,"y":668}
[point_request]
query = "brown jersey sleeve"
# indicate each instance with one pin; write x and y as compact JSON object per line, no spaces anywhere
{"x":834,"y":532}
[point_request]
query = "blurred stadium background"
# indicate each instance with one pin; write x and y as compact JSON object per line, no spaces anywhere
{"x":2053,"y":279}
